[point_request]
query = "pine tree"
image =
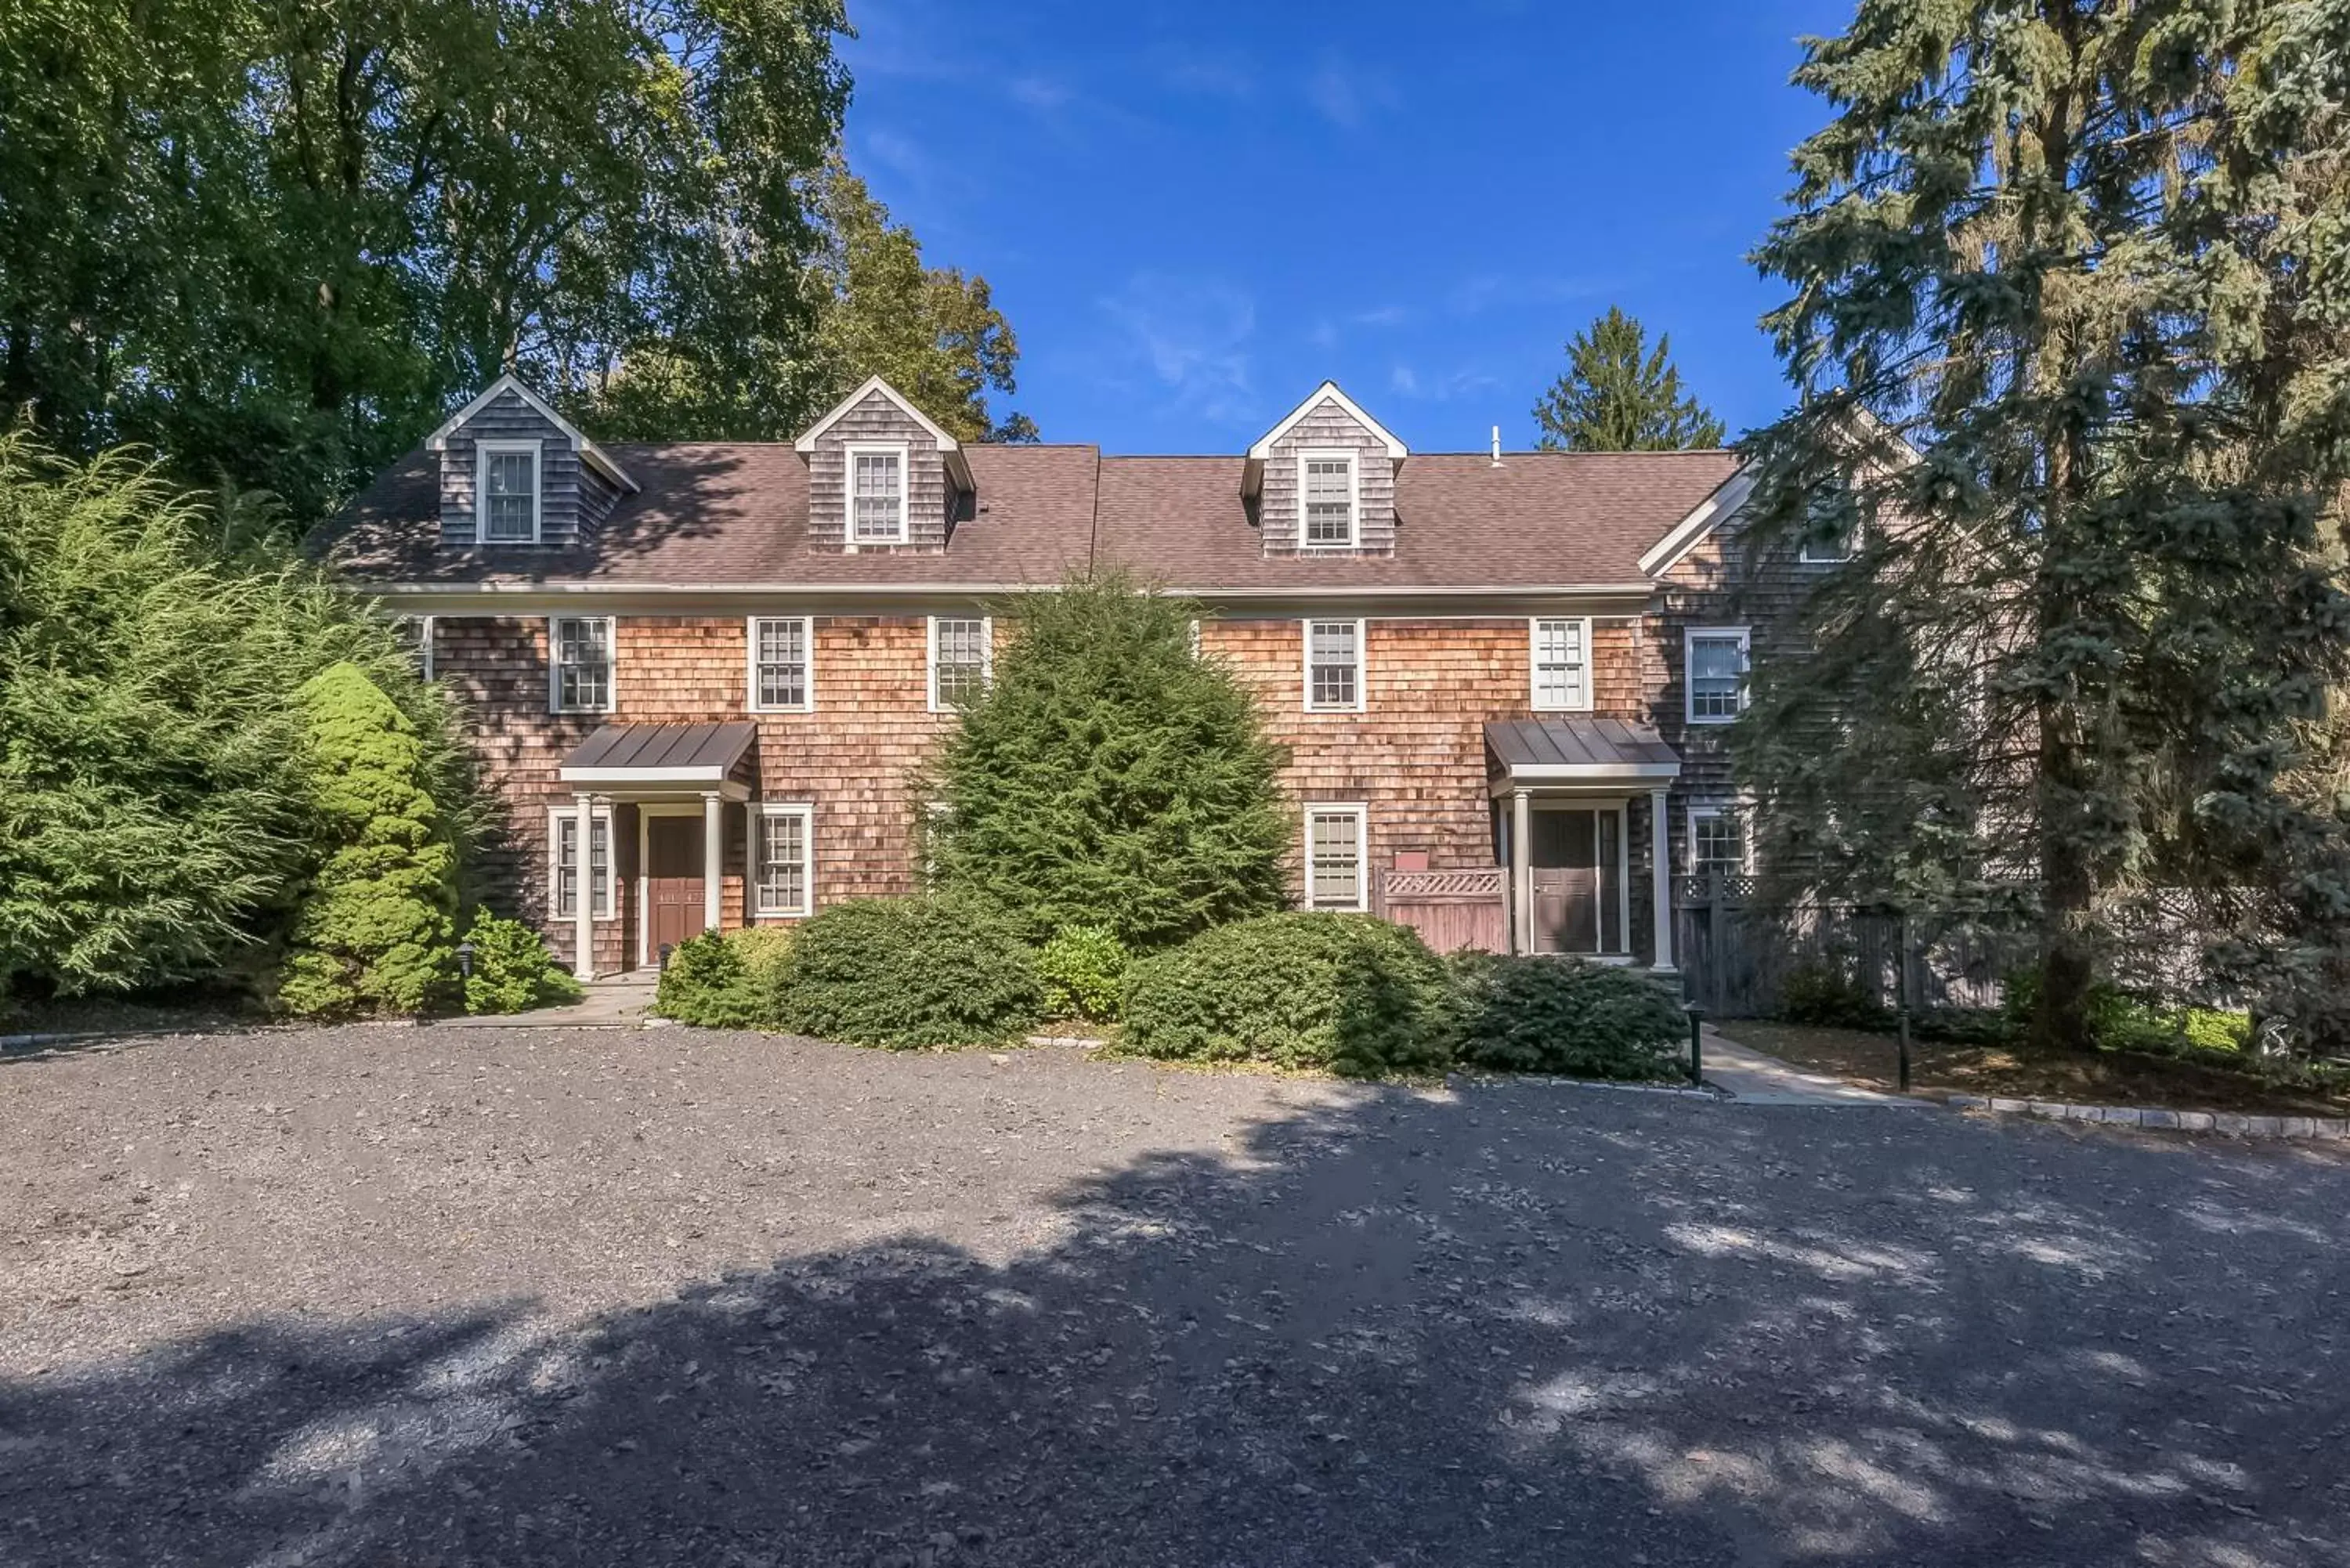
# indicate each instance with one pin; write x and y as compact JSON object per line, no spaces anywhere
{"x":1618,"y":395}
{"x":1110,"y":777}
{"x":2069,"y":280}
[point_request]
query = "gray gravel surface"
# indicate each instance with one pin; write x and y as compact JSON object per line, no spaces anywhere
{"x":420,"y":1298}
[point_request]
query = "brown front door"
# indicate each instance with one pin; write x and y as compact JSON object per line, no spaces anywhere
{"x":1565,"y":849}
{"x":673,"y":880}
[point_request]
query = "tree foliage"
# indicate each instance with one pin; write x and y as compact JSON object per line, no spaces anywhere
{"x":1110,"y":777}
{"x":157,"y":818}
{"x":1619,"y":394}
{"x":2092,"y":261}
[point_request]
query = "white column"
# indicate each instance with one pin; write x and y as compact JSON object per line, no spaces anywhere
{"x":1661,"y":869}
{"x":583,"y":913}
{"x":1624,"y":875}
{"x":712,"y":859}
{"x":1522,"y":881}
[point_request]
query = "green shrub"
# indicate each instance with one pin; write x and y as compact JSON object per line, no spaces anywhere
{"x":941,"y":970}
{"x":374,"y":931}
{"x":1964,"y":1025}
{"x":706,"y":982}
{"x":2209,"y":1029}
{"x":1565,"y":1015}
{"x":1083,"y":967}
{"x":512,"y":971}
{"x":1826,"y":996}
{"x":1350,"y":992}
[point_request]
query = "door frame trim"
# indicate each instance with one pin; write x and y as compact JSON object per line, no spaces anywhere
{"x":1621,"y":806}
{"x":647,"y":810}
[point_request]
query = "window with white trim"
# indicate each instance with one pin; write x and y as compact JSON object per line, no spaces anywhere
{"x":781,"y":679}
{"x":785,"y":880}
{"x":506,"y":510}
{"x":415,"y":634}
{"x":563,"y":861}
{"x":1717,"y":841}
{"x":1561,"y":662}
{"x":876,"y":495}
{"x":1334,"y":666}
{"x":1327,"y":500}
{"x":579,"y":648}
{"x":961,"y":658}
{"x":1831,"y":525}
{"x":1338,"y":857}
{"x":1715,"y":664}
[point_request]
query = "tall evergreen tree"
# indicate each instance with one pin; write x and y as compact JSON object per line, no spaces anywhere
{"x":1619,"y":394}
{"x":2069,"y":280}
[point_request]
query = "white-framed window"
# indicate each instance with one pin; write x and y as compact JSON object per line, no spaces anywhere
{"x":1830,"y":527}
{"x":784,"y":879}
{"x":1714,"y":660}
{"x":505,"y":493}
{"x":1334,"y":666}
{"x":1717,"y":840}
{"x":579,"y":663}
{"x":563,"y":861}
{"x":1328,"y":517}
{"x":876,"y":495}
{"x":1338,"y":857}
{"x":963,"y":658}
{"x":781,"y":651}
{"x":415,"y":634}
{"x":1560,"y":654}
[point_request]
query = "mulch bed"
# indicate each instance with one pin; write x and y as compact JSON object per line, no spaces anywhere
{"x":2108,"y":1078}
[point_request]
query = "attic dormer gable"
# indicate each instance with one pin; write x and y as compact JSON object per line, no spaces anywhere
{"x":882,"y":475}
{"x":514,"y":473}
{"x":1323,"y":481}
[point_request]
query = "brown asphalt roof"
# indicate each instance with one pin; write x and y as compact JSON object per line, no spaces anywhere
{"x":737,"y":513}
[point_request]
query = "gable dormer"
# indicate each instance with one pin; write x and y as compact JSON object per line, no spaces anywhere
{"x":882,"y":476}
{"x":1323,"y":481}
{"x":515,"y":474}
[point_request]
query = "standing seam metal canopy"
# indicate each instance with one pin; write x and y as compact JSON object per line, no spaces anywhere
{"x":664,"y":748}
{"x":1576,"y":742}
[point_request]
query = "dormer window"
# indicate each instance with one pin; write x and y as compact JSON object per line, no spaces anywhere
{"x":507,"y":510}
{"x":1326,"y":484}
{"x":876,"y":495}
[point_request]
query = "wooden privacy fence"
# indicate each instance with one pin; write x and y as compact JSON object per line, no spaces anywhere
{"x":1736,"y":953}
{"x":1449,"y":909}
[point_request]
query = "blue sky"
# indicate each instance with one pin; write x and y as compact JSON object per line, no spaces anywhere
{"x":1191,"y":212}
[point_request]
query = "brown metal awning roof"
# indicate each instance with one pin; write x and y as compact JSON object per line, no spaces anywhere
{"x":1572,"y":750}
{"x":616,"y":752}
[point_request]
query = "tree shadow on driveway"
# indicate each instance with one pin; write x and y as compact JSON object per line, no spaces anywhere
{"x":1522,"y":1324}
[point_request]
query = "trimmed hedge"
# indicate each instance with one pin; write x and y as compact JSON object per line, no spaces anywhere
{"x":1083,"y":967}
{"x":905,"y":973}
{"x":733,"y":980}
{"x":1565,"y":1015}
{"x":1349,"y":993}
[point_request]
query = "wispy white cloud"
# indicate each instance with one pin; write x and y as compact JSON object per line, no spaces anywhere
{"x":1404,"y":381}
{"x":1408,"y":382}
{"x":1348,"y":94}
{"x":1381,"y":316}
{"x":1040,"y":93}
{"x":1481,"y":292}
{"x":1209,"y":75}
{"x":1191,"y":338}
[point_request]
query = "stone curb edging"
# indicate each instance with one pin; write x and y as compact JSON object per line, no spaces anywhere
{"x":1457,"y":1080}
{"x":2324,"y":1129}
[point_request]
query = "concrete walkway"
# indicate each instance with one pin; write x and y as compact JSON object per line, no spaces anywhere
{"x":620,"y":1001}
{"x":1751,"y":1078}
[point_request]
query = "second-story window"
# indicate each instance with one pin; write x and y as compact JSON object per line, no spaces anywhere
{"x":1561,"y":662}
{"x":961,"y":659}
{"x":1334,"y":666}
{"x":1717,"y":673}
{"x":877,"y":495}
{"x":780,"y":679}
{"x":1327,"y":482}
{"x":582,"y":650}
{"x":508,"y":503}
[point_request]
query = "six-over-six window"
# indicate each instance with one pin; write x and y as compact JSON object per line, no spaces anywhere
{"x":579,"y":648}
{"x":780,"y":676}
{"x":1338,"y":857}
{"x":1716,"y":662}
{"x":1334,"y":666}
{"x":786,"y":860}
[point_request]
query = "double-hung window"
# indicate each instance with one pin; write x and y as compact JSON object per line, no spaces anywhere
{"x":782,"y":678}
{"x":415,"y":634}
{"x":1831,"y":525}
{"x":1717,"y":841}
{"x":962,"y":658}
{"x":563,"y":847}
{"x":1333,"y":666}
{"x":1338,"y":857}
{"x":505,"y":484}
{"x":785,"y":880}
{"x":876,"y":495}
{"x":1561,"y":662}
{"x":1716,"y":664}
{"x":580,"y":649}
{"x":1326,"y":483}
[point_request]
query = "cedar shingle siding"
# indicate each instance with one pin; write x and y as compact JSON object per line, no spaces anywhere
{"x":509,"y":417}
{"x":1329,"y":427}
{"x":877,"y":422}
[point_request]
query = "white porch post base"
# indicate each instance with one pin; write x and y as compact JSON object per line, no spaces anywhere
{"x":1660,"y":868}
{"x":711,"y":862}
{"x":583,"y":914}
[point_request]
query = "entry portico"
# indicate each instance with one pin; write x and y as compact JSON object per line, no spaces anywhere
{"x":1564,"y":790}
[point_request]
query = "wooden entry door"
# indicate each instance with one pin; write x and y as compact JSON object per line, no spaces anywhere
{"x":673,"y":881}
{"x":1563,"y":846}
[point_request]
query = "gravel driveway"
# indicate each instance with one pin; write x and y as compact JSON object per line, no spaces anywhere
{"x":419,"y":1298}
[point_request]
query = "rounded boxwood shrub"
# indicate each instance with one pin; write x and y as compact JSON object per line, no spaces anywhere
{"x":512,"y":971}
{"x":1349,"y":993}
{"x":1083,"y":967}
{"x":1565,"y":1015}
{"x":733,"y":980}
{"x":940,"y":970}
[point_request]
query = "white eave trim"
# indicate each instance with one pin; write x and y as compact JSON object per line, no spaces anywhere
{"x":807,"y":442}
{"x":1583,"y":773}
{"x":509,"y":382}
{"x":1711,"y":513}
{"x":878,"y":589}
{"x":1327,"y":390}
{"x":651,"y":778}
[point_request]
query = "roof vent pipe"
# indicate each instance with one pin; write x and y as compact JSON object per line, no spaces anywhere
{"x":1497,"y":446}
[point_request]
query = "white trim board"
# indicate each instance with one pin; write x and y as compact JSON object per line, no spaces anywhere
{"x":509,"y":382}
{"x":1361,"y":811}
{"x":486,"y":450}
{"x":931,"y":655}
{"x":1328,"y":392}
{"x":1362,"y":663}
{"x":806,"y":703}
{"x":1353,"y":460}
{"x":808,"y":439}
{"x":904,"y":531}
{"x":805,"y":812}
